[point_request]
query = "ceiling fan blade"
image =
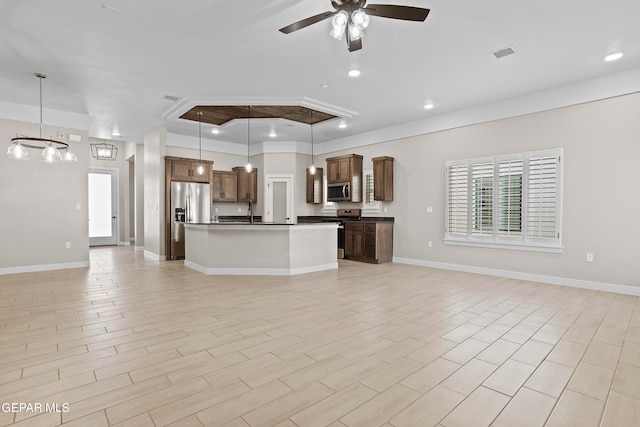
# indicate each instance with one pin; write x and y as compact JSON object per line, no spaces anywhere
{"x":306,"y":22}
{"x":407,"y":13}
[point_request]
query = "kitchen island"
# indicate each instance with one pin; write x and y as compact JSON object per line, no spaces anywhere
{"x":260,"y":249}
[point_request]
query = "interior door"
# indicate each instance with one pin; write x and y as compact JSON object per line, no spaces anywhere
{"x":103,"y":207}
{"x":279,"y":200}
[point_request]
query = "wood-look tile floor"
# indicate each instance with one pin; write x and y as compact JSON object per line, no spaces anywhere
{"x":134,"y":342}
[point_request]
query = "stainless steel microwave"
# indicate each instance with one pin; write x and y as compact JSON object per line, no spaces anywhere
{"x":339,"y":191}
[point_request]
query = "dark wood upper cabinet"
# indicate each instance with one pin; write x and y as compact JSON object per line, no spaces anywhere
{"x":181,"y":169}
{"x":247,"y":184}
{"x":224,"y":186}
{"x":314,"y":186}
{"x":383,"y":178}
{"x":347,"y":169}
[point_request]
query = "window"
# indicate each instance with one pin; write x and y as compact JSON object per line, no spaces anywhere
{"x":369,"y":206}
{"x":506,"y":201}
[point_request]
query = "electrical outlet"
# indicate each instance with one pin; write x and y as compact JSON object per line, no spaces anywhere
{"x":429,"y":209}
{"x":429,"y":244}
{"x":239,"y":210}
{"x":589,"y":257}
{"x":67,"y":245}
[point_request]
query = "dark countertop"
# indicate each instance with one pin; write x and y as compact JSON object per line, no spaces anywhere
{"x":323,"y":218}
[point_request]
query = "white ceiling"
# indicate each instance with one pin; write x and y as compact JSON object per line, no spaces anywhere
{"x":116,"y":66}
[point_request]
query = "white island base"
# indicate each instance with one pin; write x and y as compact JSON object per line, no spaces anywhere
{"x":261,"y":249}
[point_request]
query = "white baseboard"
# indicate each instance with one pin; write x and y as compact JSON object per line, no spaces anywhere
{"x":259,"y":271}
{"x":552,"y":280}
{"x":153,"y":256}
{"x":43,"y":267}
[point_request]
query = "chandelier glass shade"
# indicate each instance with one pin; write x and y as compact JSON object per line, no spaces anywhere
{"x":53,"y":151}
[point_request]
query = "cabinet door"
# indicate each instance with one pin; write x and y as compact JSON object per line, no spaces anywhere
{"x":353,"y":240}
{"x":217,"y":188}
{"x":344,"y":170}
{"x":370,"y":234}
{"x":383,"y":179}
{"x":230,"y":187}
{"x":314,"y":186}
{"x":206,"y":171}
{"x":333,"y":171}
{"x":181,"y":170}
{"x":247,"y":184}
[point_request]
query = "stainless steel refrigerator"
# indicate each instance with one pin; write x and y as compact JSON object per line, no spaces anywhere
{"x":190,"y":203}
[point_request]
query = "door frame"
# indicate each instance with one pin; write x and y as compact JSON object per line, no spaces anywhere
{"x":115,"y":207}
{"x":270,"y":179}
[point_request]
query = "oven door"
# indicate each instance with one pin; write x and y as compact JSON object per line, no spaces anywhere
{"x":338,"y":192}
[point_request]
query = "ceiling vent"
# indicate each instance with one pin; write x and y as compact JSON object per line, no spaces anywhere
{"x":501,"y":53}
{"x":171,"y":98}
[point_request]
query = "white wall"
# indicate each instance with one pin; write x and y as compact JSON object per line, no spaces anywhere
{"x":39,"y":205}
{"x":154,"y":153}
{"x":601,"y":200}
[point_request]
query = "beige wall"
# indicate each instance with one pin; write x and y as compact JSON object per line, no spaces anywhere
{"x":154,"y":153}
{"x":601,"y":192}
{"x":39,"y":205}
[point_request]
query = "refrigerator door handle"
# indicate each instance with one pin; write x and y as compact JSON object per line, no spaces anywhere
{"x":188,"y":206}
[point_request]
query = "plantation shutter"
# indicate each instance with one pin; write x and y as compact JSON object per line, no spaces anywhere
{"x":482,"y":200}
{"x":457,"y":194}
{"x":542,"y":200}
{"x":510,"y":197}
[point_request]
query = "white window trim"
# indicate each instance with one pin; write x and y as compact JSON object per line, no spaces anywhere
{"x":523,"y":242}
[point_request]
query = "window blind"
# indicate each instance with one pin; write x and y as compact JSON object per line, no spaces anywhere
{"x":510,"y":200}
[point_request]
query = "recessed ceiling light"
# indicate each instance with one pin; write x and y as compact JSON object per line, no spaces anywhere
{"x":215,"y":131}
{"x":115,"y":133}
{"x":272,"y":134}
{"x":354,"y":73}
{"x":324,"y":85}
{"x":342,"y":125}
{"x":613,"y":56}
{"x":428,"y":106}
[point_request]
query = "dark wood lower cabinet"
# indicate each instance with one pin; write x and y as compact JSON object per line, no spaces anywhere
{"x":368,"y":241}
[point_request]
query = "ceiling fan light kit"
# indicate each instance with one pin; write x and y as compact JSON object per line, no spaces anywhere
{"x":351,"y":18}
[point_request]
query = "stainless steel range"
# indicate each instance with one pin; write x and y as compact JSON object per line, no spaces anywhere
{"x":343,"y":215}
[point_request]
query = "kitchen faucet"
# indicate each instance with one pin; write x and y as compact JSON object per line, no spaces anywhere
{"x":250,"y":210}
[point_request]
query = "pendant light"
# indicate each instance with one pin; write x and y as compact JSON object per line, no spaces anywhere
{"x":50,"y":147}
{"x":248,"y":167}
{"x":312,"y":169}
{"x":200,"y":168}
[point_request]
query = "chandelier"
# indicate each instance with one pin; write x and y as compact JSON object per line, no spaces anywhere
{"x":52,"y":151}
{"x":104,"y":151}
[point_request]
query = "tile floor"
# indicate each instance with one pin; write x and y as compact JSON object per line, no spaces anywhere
{"x":134,"y":342}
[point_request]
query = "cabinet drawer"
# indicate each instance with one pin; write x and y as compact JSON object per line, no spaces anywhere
{"x":370,"y":227}
{"x":355,"y":226}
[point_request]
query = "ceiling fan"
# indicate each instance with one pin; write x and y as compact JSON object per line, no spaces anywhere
{"x":351,"y":17}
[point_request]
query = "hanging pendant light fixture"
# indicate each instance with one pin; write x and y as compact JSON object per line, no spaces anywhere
{"x":312,"y":169}
{"x":104,"y":151}
{"x":200,"y":168}
{"x":248,"y":167}
{"x":50,"y":148}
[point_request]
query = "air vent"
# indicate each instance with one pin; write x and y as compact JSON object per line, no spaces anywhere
{"x":171,"y":98}
{"x":501,"y":53}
